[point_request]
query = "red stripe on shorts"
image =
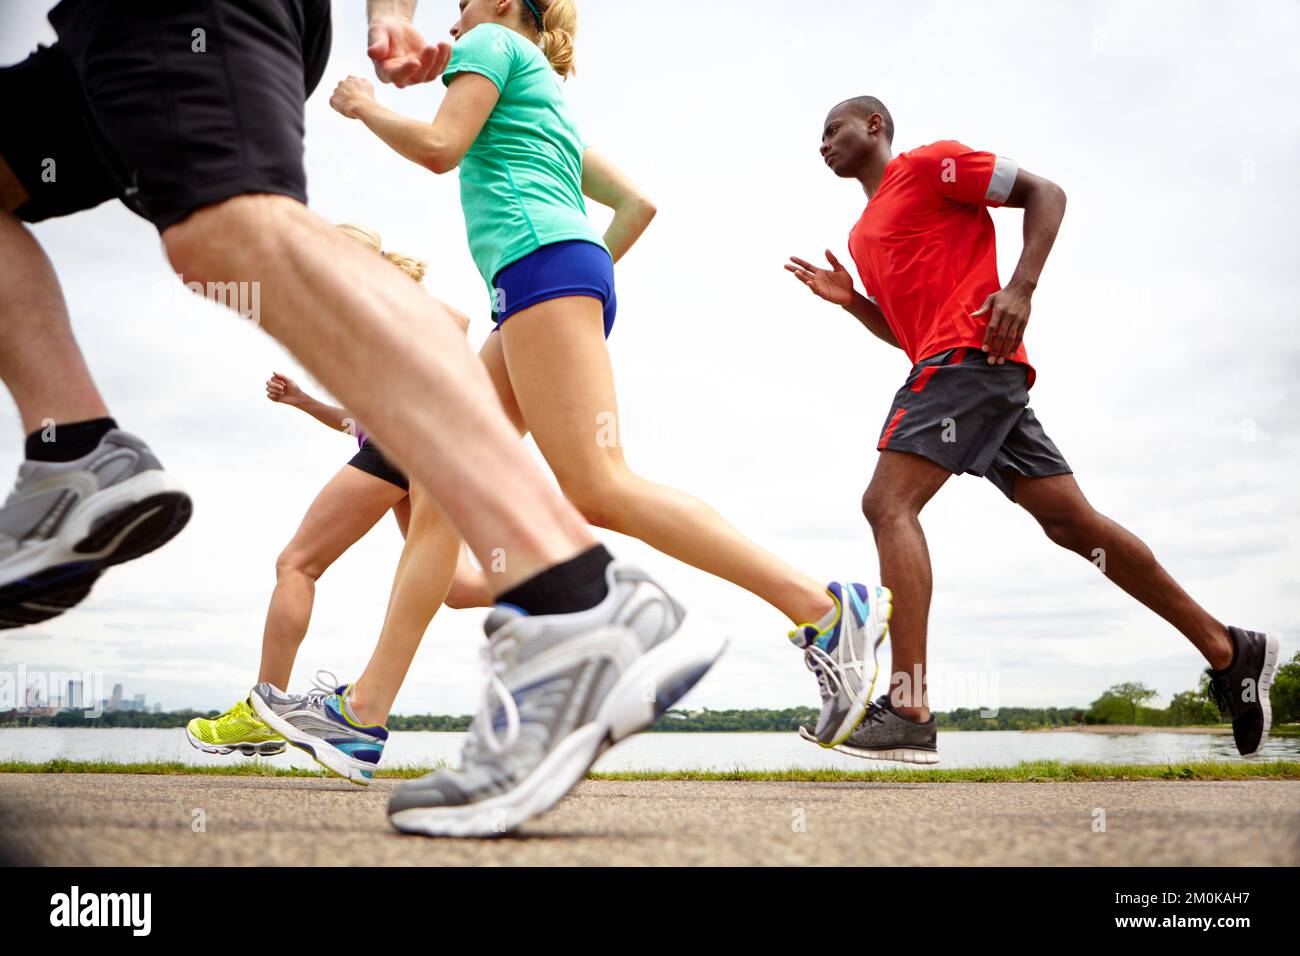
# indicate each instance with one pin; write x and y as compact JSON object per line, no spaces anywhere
{"x":893,"y":423}
{"x":928,"y":373}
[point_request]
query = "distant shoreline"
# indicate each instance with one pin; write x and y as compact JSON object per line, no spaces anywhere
{"x":1222,"y":729}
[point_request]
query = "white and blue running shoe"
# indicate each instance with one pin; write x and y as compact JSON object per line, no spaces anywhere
{"x":558,"y":690}
{"x":317,"y":722}
{"x":841,"y":650}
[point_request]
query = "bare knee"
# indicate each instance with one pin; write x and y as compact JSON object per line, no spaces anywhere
{"x":882,"y":509}
{"x":198,"y":245}
{"x":295,"y":563}
{"x":1073,"y":529}
{"x":598,"y":497}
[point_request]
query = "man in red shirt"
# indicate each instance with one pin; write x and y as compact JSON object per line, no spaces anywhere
{"x":926,"y":253}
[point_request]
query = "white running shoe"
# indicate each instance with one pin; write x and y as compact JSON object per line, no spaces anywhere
{"x":65,"y":522}
{"x":559,"y":690}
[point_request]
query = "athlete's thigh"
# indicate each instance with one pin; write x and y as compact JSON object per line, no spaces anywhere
{"x":1054,"y":498}
{"x":902,"y":479}
{"x":564,"y":383}
{"x":494,"y":360}
{"x":349,"y":505}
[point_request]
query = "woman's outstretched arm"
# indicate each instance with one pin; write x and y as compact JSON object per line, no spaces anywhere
{"x":285,"y":391}
{"x":438,"y":146}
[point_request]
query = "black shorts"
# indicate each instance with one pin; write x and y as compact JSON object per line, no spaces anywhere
{"x":972,"y":418}
{"x":168,"y":105}
{"x":372,"y":461}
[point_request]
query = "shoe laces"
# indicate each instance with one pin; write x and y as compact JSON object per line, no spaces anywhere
{"x":1219,"y":691}
{"x":823,"y":667}
{"x":326,"y":683}
{"x":495,"y":689}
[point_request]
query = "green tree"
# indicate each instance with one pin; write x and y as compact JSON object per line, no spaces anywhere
{"x":1105,"y":709}
{"x":1193,"y":707}
{"x":1135,"y":693}
{"x":1285,"y":694}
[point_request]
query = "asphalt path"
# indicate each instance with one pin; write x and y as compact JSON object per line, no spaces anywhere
{"x":112,"y":819}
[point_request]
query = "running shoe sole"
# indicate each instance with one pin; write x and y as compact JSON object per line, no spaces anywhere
{"x":672,"y":667}
{"x":328,"y":756}
{"x":1266,"y":674}
{"x":270,"y":748}
{"x":899,"y":754}
{"x":119,"y":524}
{"x":853,"y":719}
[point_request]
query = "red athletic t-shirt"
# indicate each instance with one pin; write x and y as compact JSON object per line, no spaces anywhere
{"x":926,"y":250}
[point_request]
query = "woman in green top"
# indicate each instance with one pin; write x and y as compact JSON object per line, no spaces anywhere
{"x":524,"y":170}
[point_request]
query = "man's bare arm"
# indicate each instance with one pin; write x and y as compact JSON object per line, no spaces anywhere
{"x":400,"y":54}
{"x":386,"y":8}
{"x":1008,"y":309}
{"x":869,"y":314}
{"x":835,"y":285}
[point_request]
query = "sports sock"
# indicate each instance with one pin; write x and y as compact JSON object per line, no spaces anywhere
{"x":575,"y":585}
{"x":71,"y":441}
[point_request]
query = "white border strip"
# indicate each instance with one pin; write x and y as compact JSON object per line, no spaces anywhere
{"x":1004,"y":177}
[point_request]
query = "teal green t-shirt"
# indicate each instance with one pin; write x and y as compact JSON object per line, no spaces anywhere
{"x":521,"y":181}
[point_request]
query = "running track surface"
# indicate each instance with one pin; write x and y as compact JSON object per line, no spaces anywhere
{"x":106,"y":819}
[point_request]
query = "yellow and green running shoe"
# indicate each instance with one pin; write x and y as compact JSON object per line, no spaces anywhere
{"x":237,"y":729}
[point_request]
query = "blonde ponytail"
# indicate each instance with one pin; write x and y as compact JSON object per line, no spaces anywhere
{"x":559,"y":30}
{"x":367,"y":237}
{"x":415,"y":268}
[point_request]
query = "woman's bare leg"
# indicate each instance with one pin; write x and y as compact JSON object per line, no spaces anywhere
{"x":424,"y":575}
{"x":346,"y":508}
{"x":433,"y":564}
{"x":469,"y":586}
{"x":402,"y":514}
{"x":569,"y":413}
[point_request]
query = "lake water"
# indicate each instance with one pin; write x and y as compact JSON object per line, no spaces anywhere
{"x":674,"y":751}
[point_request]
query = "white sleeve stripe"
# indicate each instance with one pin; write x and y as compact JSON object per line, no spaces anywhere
{"x":1004,"y":177}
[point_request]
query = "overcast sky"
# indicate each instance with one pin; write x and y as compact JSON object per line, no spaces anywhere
{"x":1164,"y":332}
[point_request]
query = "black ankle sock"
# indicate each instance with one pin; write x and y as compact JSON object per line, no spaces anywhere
{"x":70,"y":441}
{"x":576,"y":585}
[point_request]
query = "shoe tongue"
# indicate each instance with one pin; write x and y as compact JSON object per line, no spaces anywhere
{"x":803,"y":635}
{"x":806,"y":634}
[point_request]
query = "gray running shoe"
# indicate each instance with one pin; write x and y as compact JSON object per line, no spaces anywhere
{"x":885,"y":734}
{"x":559,"y":689}
{"x":1242,"y":688}
{"x":317,"y":723}
{"x":841,"y":650}
{"x":65,"y":522}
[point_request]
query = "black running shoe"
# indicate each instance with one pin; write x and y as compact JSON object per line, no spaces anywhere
{"x":885,"y":734}
{"x":1241,"y":689}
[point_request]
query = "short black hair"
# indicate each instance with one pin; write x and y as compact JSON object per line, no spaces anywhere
{"x":864,"y":106}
